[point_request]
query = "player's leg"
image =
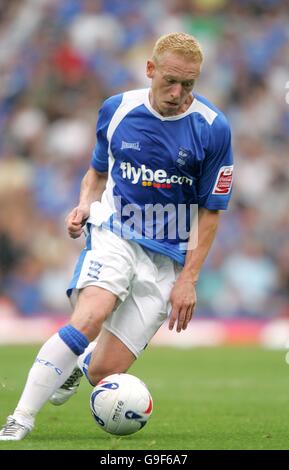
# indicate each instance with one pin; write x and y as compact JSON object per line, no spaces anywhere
{"x":126,"y":333}
{"x":71,"y":385}
{"x":80,"y":322}
{"x":108,"y":263}
{"x":101,"y":277}
{"x":110,"y":356}
{"x":103,"y":357}
{"x":57,"y":359}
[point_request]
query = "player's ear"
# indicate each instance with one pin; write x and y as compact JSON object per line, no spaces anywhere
{"x":150,"y":69}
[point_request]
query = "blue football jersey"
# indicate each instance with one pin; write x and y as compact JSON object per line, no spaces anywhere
{"x":159,"y":168}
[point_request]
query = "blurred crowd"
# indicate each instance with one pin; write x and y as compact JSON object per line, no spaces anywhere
{"x":59,"y":59}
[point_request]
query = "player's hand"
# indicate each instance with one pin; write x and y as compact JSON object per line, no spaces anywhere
{"x":183,"y":299}
{"x":76,"y":220}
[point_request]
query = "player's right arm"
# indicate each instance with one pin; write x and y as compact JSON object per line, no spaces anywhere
{"x":94,"y":182}
{"x":91,"y":189}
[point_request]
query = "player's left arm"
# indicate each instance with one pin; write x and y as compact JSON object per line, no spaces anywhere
{"x":214,"y":192}
{"x":183,"y":295}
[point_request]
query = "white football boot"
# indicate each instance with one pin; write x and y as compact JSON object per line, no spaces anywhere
{"x":13,"y":430}
{"x":69,"y":388}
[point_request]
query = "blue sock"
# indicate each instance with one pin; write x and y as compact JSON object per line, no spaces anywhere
{"x":74,"y":339}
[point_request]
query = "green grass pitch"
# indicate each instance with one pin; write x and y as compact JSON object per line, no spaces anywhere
{"x":204,"y":398}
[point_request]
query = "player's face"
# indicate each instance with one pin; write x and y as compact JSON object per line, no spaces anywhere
{"x":172,"y":80}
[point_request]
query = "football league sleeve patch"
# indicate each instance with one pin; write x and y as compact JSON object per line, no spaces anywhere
{"x":224,"y":180}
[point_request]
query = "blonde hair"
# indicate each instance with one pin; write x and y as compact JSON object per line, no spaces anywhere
{"x":181,"y":43}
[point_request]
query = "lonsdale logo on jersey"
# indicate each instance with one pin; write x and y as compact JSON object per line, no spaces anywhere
{"x":151,"y":178}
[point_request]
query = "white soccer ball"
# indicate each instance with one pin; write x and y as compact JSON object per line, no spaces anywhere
{"x":121,"y":404}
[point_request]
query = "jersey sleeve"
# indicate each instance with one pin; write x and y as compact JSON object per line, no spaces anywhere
{"x":215,"y":183}
{"x":99,"y":159}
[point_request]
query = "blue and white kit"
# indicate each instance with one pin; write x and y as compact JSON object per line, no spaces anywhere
{"x":155,"y":165}
{"x":184,"y":159}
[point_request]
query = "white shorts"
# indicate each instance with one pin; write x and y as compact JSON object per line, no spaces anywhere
{"x":140,"y":278}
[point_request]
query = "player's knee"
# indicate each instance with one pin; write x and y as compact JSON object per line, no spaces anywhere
{"x":93,"y":307}
{"x":88,"y":318}
{"x":89,"y":324}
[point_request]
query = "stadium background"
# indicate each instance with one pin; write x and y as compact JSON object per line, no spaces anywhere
{"x":59,"y":59}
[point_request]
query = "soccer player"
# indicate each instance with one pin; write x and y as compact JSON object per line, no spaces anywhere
{"x":159,"y":152}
